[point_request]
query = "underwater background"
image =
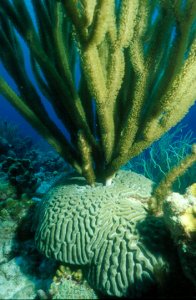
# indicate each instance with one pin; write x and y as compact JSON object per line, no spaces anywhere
{"x":29,"y":167}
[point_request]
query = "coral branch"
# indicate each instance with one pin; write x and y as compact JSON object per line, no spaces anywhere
{"x":164,"y":187}
{"x":119,"y":74}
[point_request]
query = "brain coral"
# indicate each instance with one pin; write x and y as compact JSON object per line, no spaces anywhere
{"x":106,"y":228}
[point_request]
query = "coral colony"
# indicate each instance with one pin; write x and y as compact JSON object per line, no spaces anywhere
{"x":119,"y":75}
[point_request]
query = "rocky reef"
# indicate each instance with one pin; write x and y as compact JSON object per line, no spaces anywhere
{"x":26,"y":167}
{"x":24,"y":272}
{"x":123,"y":245}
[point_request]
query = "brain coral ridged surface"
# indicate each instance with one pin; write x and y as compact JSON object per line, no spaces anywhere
{"x":104,"y":228}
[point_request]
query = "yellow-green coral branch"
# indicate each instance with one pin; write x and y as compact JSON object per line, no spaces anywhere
{"x":64,"y":65}
{"x":112,"y":26}
{"x":184,"y":23}
{"x":176,"y":57}
{"x":100,"y":22}
{"x":87,"y":160}
{"x":115,"y":74}
{"x":131,"y":123}
{"x":164,"y":187}
{"x":116,"y":64}
{"x":170,"y":110}
{"x":140,"y":90}
{"x":89,"y":8}
{"x":176,"y":101}
{"x":129,"y":11}
{"x":95,"y":77}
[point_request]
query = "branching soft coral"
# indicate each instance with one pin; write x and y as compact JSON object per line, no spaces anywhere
{"x":138,"y":74}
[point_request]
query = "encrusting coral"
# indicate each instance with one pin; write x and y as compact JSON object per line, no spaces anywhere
{"x":179,"y":213}
{"x":66,"y":272}
{"x":20,"y":174}
{"x":68,"y":283}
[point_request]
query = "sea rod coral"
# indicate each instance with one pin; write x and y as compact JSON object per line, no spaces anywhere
{"x":137,"y":79}
{"x":138,"y":74}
